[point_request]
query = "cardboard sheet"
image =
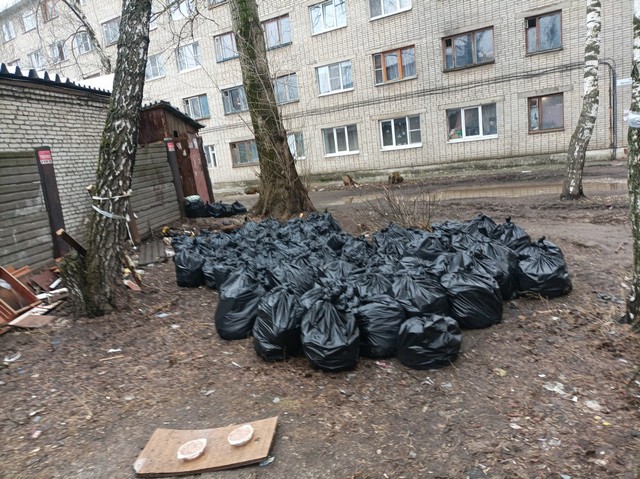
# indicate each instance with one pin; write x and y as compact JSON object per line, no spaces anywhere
{"x":158,"y":458}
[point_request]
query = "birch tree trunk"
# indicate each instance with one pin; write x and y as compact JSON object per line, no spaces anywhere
{"x":94,"y":280}
{"x":572,"y":186}
{"x":633,"y":179}
{"x":282,"y":193}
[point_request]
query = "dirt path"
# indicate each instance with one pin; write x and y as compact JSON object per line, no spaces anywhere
{"x":548,"y":393}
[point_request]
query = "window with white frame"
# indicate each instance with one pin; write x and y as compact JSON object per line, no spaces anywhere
{"x":155,"y":67}
{"x":403,"y":132}
{"x":546,"y":113}
{"x":111,"y":31}
{"x":155,"y":14}
{"x":277,"y":32}
{"x":296,"y":145}
{"x":197,"y":107}
{"x":36,"y":60}
{"x":476,"y":122}
{"x":83,"y":43}
{"x":380,"y":8}
{"x":234,"y":100}
{"x":335,"y":77}
{"x":58,"y":52}
{"x":394,"y":65}
{"x":286,"y":88}
{"x":188,"y":57}
{"x":226,"y":47}
{"x":340,"y":140}
{"x":50,"y":9}
{"x":328,"y":15}
{"x":244,"y":153}
{"x":213,"y":3}
{"x":210,"y":154}
{"x":8,"y":33}
{"x":29,"y":20}
{"x":183,"y":9}
{"x":544,"y":32}
{"x":468,"y":49}
{"x":83,"y":3}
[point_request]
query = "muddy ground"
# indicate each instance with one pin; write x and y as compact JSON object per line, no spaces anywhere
{"x":548,"y":393}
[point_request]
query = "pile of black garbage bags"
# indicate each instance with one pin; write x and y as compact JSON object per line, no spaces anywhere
{"x":307,"y":287}
{"x":195,"y":207}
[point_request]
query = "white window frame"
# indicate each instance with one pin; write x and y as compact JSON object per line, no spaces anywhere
{"x":29,"y":20}
{"x":395,"y":146}
{"x":227,"y":102}
{"x":210,"y":154}
{"x":190,"y":56}
{"x":341,"y":76}
{"x":182,"y":10}
{"x":280,"y":29}
{"x":248,"y":144}
{"x":82,"y":39}
{"x":50,"y":10}
{"x":8,"y":32}
{"x":111,"y":31}
{"x":288,"y":82}
{"x":215,"y":3}
{"x":195,"y":107}
{"x":155,"y":67}
{"x":57,"y":48}
{"x":36,"y":60}
{"x":221,"y":48}
{"x":346,"y":152}
{"x":294,"y":139}
{"x":465,"y":137}
{"x":324,"y":7}
{"x":399,"y":8}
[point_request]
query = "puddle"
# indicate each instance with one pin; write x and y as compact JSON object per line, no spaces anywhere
{"x":590,"y":187}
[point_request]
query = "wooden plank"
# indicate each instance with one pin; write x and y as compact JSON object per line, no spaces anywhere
{"x":71,"y":241}
{"x":32,"y":321}
{"x":16,"y":155}
{"x":158,"y":458}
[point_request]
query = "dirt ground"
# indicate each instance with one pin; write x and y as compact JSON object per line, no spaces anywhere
{"x":548,"y":393}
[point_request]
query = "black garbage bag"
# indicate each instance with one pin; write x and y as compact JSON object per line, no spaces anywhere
{"x":474,"y":298}
{"x":219,"y":210}
{"x":371,"y":283}
{"x":238,"y":208}
{"x":429,"y":341}
{"x":480,"y":225}
{"x":208,"y":273}
{"x":189,"y":268}
{"x":297,"y":277}
{"x":178,"y":243}
{"x":276,"y":332}
{"x":237,"y":309}
{"x":222,"y":270}
{"x":480,"y":263}
{"x":511,"y":235}
{"x":543,"y":270}
{"x":392,"y":240}
{"x":194,"y":207}
{"x":379,"y":319}
{"x":357,"y":251}
{"x":420,"y":295}
{"x":507,"y":260}
{"x":330,"y":337}
{"x":429,"y":248}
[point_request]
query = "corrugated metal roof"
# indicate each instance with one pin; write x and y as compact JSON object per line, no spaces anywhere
{"x":167,"y":106}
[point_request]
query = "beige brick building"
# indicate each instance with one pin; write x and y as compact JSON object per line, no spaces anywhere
{"x":366,"y":85}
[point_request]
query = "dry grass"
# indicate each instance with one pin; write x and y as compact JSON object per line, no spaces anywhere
{"x":410,"y":211}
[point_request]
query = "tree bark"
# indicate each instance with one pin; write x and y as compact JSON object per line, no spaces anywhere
{"x":95,"y":279}
{"x":633,"y":179}
{"x":282,"y":193}
{"x":572,"y":186}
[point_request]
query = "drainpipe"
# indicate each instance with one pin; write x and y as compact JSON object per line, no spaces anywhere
{"x":613,"y":105}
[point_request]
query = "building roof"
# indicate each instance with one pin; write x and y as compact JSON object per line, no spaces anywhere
{"x":165,"y":105}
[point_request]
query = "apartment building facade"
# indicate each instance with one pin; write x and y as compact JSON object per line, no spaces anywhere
{"x":364,"y":85}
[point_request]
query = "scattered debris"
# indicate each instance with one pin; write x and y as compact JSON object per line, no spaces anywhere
{"x":348,"y":181}
{"x":556,"y":388}
{"x":13,"y":357}
{"x":267,"y":461}
{"x":131,"y":285}
{"x":395,"y":178}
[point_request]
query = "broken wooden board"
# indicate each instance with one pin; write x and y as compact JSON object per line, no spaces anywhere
{"x":153,"y":252}
{"x":158,"y":458}
{"x":32,"y":321}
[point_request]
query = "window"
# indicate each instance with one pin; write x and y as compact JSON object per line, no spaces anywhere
{"x":335,"y":77}
{"x":36,"y":60}
{"x":8,"y":33}
{"x":50,"y":9}
{"x":286,"y":89}
{"x":83,"y":3}
{"x":277,"y":32}
{"x":197,"y":107}
{"x":296,"y":145}
{"x":328,"y":16}
{"x":401,"y":132}
{"x":380,"y":8}
{"x":155,"y":67}
{"x":213,"y":3}
{"x":58,"y":52}
{"x":234,"y":100}
{"x":546,"y":113}
{"x":472,"y":123}
{"x":155,"y":13}
{"x":226,"y":48}
{"x":188,"y":57}
{"x":111,"y":31}
{"x":244,"y":153}
{"x":184,"y":9}
{"x":83,"y":43}
{"x":210,"y":154}
{"x":544,"y":32}
{"x":340,"y":140}
{"x":394,"y":65}
{"x":468,"y":49}
{"x":29,"y":20}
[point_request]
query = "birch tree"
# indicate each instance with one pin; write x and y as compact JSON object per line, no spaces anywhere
{"x":572,"y":186}
{"x":93,"y":280}
{"x":282,"y":192}
{"x":633,"y":179}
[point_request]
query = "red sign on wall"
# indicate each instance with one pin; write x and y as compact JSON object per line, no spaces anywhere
{"x":45,"y":157}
